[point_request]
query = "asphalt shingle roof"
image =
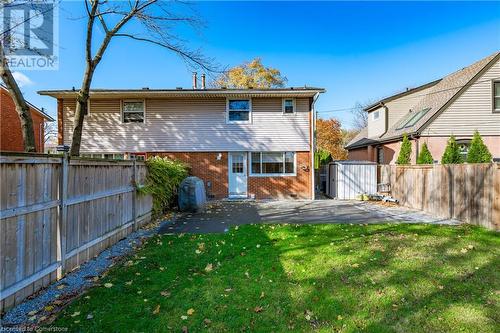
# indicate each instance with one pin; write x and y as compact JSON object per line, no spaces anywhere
{"x":443,"y":92}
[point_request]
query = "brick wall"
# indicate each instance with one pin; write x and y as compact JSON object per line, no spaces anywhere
{"x":206,"y":166}
{"x":11,"y":137}
{"x":285,"y":187}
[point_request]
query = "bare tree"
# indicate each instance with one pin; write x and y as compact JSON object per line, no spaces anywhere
{"x":360,"y":116}
{"x":9,"y":37}
{"x":156,"y":18}
{"x":22,"y":108}
{"x":49,"y":131}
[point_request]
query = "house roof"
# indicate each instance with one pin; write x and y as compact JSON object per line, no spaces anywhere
{"x":35,"y":108}
{"x":179,"y":92}
{"x":442,"y":93}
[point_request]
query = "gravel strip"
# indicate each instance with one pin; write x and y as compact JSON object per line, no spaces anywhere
{"x":74,"y":282}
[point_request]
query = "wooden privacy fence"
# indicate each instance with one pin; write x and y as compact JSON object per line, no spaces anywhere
{"x":57,"y":213}
{"x":466,"y":192}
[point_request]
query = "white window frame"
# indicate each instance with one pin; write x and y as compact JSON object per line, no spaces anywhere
{"x":249,"y":121}
{"x":294,"y":174}
{"x":495,"y":110}
{"x":283,"y":106}
{"x":132,"y":100}
{"x":377,"y":112}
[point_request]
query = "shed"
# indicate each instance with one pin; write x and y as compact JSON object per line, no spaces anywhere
{"x":348,"y":179}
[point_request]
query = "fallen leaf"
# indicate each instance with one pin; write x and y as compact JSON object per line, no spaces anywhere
{"x":355,"y":265}
{"x":257,"y":309}
{"x":207,"y":321}
{"x":208,"y":268}
{"x":339,"y":317}
{"x":247,"y":275}
{"x":165,"y":293}
{"x":108,"y":285}
{"x":184,"y":317}
{"x":48,"y":308}
{"x":75,"y":314}
{"x":470,"y":246}
{"x":463,"y":250}
{"x":157,"y":309}
{"x":190,"y":312}
{"x":128,"y":283}
{"x":262,"y":295}
{"x":90,"y":316}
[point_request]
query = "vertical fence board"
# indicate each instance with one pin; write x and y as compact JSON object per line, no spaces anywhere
{"x":97,"y":212}
{"x":466,"y":192}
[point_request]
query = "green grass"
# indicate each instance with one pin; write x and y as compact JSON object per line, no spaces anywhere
{"x":280,"y":278}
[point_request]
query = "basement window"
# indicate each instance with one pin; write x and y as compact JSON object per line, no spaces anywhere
{"x":273,"y":163}
{"x":133,"y":111}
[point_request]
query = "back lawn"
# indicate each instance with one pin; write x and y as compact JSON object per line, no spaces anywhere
{"x":264,"y":278}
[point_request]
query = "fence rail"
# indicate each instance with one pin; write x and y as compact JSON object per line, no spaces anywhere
{"x":466,"y":192}
{"x":57,"y":213}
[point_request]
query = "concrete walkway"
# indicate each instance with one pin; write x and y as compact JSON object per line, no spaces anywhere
{"x":220,"y":215}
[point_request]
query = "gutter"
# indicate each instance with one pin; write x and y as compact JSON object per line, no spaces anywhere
{"x":313,"y":146}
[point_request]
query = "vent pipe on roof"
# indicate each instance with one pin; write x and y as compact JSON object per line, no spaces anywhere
{"x":195,"y":80}
{"x":203,"y":79}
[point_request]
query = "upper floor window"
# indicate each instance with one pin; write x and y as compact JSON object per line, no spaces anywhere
{"x":496,"y":96}
{"x":133,"y":111}
{"x":288,"y":105}
{"x":238,"y":110}
{"x":376,"y":115}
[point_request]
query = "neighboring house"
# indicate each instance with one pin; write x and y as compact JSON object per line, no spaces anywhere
{"x":457,"y":104}
{"x":241,"y":142}
{"x":11,"y":137}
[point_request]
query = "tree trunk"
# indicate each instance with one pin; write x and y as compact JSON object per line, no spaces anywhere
{"x":82,"y":102}
{"x":22,"y":107}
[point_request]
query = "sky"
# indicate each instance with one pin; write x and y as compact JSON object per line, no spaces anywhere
{"x":358,"y":51}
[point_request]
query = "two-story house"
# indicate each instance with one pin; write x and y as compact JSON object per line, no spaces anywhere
{"x":457,"y":104}
{"x":241,"y":142}
{"x":11,"y":135}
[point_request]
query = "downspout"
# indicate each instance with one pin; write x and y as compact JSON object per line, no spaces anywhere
{"x":313,"y":147}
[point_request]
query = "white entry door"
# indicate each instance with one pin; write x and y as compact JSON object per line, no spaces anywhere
{"x":238,"y":175}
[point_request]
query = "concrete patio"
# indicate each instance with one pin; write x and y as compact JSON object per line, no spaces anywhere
{"x":221,"y":215}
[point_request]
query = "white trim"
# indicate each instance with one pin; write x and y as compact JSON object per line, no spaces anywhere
{"x":294,"y":174}
{"x":249,"y":121}
{"x":133,"y":100}
{"x":294,"y":105}
{"x":230,"y":170}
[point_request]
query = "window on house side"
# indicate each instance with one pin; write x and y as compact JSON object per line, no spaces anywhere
{"x":278,"y":163}
{"x":496,"y":96}
{"x":238,"y":110}
{"x":133,"y":111}
{"x":288,"y":105}
{"x":376,"y":115}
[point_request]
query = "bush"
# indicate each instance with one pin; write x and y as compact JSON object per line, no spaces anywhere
{"x":478,"y":152}
{"x":405,"y":152}
{"x":452,"y":153}
{"x":425,"y":156}
{"x":163,"y":179}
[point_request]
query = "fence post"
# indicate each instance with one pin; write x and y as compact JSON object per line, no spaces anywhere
{"x":134,"y":194}
{"x":63,"y":208}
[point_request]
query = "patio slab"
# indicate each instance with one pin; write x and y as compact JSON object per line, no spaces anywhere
{"x":221,"y":215}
